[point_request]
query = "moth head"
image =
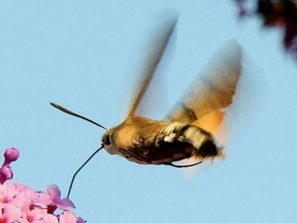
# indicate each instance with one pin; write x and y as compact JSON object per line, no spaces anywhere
{"x":108,"y":142}
{"x":107,"y":138}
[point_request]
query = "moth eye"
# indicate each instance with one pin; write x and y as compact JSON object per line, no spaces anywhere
{"x":106,"y":138}
{"x":107,"y":141}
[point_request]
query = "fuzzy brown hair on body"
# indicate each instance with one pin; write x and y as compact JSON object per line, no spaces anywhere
{"x":147,"y":141}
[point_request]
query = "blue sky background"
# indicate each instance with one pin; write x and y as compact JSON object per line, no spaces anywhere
{"x":86,"y":56}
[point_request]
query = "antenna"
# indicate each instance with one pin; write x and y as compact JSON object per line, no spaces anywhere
{"x":76,"y":115}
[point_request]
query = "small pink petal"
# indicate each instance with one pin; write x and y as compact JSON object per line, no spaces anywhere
{"x":55,"y":195}
{"x":42,"y":200}
{"x":12,"y":213}
{"x":54,"y":192}
{"x":65,"y":204}
{"x":49,"y":218}
{"x":24,"y":194}
{"x":80,"y":220}
{"x":33,"y":215}
{"x":68,"y":217}
{"x":7,"y":193}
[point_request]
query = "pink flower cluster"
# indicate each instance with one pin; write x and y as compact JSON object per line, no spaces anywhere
{"x":21,"y":204}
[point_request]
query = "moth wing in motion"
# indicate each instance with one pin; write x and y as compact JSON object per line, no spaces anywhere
{"x":204,"y":103}
{"x":184,"y":134}
{"x":160,"y":44}
{"x":212,"y":91}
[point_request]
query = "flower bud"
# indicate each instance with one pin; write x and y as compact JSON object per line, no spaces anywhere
{"x":11,"y":155}
{"x":5,"y":173}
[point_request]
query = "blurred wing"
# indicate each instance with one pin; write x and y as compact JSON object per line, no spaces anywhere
{"x":162,"y":38}
{"x":212,"y":91}
{"x":211,"y":121}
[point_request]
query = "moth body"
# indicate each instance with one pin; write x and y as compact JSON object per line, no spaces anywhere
{"x":188,"y":127}
{"x":147,"y":141}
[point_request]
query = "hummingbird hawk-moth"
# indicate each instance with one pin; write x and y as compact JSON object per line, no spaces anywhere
{"x":187,"y":129}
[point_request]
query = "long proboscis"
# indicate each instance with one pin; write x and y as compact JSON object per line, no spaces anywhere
{"x":79,"y":169}
{"x":75,"y":114}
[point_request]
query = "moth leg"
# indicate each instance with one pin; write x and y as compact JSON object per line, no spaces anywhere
{"x":183,"y":166}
